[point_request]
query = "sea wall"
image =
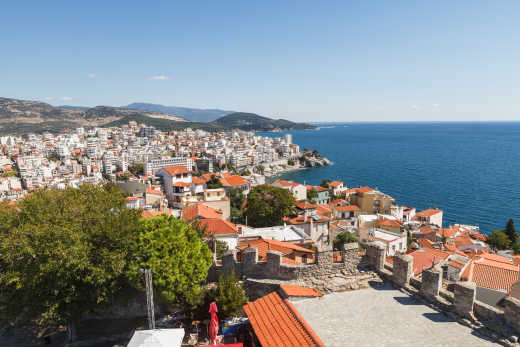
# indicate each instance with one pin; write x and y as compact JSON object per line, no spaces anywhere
{"x":500,"y":323}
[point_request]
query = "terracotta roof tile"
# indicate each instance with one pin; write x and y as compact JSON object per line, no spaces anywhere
{"x":276,"y":322}
{"x":176,"y":170}
{"x":219,"y":227}
{"x":199,"y":210}
{"x":299,"y":291}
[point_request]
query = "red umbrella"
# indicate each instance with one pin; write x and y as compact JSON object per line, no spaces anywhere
{"x":213,"y":324}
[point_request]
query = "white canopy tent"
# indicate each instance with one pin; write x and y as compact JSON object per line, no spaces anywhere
{"x":157,"y":338}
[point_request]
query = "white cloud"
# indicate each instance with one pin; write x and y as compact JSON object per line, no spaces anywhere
{"x":91,"y":75}
{"x":159,"y":78}
{"x":49,"y":98}
{"x":415,"y":107}
{"x":66,"y":98}
{"x":435,"y":105}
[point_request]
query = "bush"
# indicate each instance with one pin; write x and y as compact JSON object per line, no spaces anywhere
{"x":344,"y":237}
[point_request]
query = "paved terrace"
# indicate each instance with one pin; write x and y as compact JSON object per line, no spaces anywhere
{"x":383,"y":316}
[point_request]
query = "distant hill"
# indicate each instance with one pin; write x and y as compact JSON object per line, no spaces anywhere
{"x":193,"y":114}
{"x":164,"y":124}
{"x":73,"y":108}
{"x":254,"y":122}
{"x":19,"y":117}
{"x":26,"y":116}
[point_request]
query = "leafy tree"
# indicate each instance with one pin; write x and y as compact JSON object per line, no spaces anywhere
{"x":344,"y":237}
{"x":229,"y":295}
{"x":516,"y":248}
{"x":498,"y":239}
{"x":237,"y":199}
{"x":511,"y":231}
{"x":245,"y":172}
{"x":325,"y":183}
{"x":268,"y":205}
{"x":213,"y":182}
{"x":290,"y":162}
{"x":137,"y":169}
{"x":260,"y":169}
{"x":63,"y":254}
{"x":12,"y":173}
{"x":177,"y":256}
{"x":312,"y":194}
{"x":409,"y":240}
{"x":221,"y":247}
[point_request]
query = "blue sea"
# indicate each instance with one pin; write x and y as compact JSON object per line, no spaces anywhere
{"x":469,"y":170}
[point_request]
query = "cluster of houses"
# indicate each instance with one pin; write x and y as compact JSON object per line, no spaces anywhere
{"x":95,"y":155}
{"x":365,"y":212}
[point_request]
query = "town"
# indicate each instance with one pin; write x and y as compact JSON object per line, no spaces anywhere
{"x":315,"y":241}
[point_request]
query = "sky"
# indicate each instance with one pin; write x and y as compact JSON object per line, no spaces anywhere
{"x":300,"y":60}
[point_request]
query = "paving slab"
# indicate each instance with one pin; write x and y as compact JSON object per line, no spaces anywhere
{"x":383,"y":316}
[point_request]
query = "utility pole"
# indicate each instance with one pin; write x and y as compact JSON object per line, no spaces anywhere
{"x":149,"y":299}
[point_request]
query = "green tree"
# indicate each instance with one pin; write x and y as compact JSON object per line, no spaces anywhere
{"x":409,"y":240}
{"x":511,"y":231}
{"x":137,"y":169}
{"x":179,"y":259}
{"x":498,"y":239}
{"x":268,"y":205}
{"x":12,"y":173}
{"x":229,"y":295}
{"x":344,"y":237}
{"x":213,"y":182}
{"x":516,"y":248}
{"x":325,"y":183}
{"x":237,"y":199}
{"x":63,"y":254}
{"x":312,"y":194}
{"x":245,"y":172}
{"x":221,"y":248}
{"x":290,"y":162}
{"x":260,"y":169}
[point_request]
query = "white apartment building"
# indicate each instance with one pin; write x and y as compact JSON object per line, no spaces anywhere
{"x":153,"y":166}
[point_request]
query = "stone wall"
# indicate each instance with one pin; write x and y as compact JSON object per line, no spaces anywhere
{"x":324,"y":275}
{"x":501,"y":325}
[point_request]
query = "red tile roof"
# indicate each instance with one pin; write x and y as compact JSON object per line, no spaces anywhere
{"x":492,"y":274}
{"x":428,"y":213}
{"x":197,"y":180}
{"x":349,"y":208}
{"x":219,"y":227}
{"x":299,"y":291}
{"x":335,"y":184}
{"x":264,"y":245}
{"x":425,"y":258}
{"x":305,"y":205}
{"x":276,"y":322}
{"x":176,"y":170}
{"x":388,"y":223}
{"x":461,"y":241}
{"x":154,"y":191}
{"x":425,"y":243}
{"x":181,"y":184}
{"x":363,"y":189}
{"x":447,"y":232}
{"x":199,"y":210}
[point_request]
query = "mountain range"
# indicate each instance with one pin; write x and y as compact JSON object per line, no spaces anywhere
{"x":193,"y":114}
{"x":27,"y":116}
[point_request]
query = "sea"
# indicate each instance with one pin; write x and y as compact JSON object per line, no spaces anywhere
{"x":471,"y":171}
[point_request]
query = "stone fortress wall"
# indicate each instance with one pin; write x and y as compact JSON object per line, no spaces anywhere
{"x":326,"y":275}
{"x":500,"y":323}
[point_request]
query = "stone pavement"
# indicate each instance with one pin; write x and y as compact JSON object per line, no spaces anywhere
{"x":383,"y":316}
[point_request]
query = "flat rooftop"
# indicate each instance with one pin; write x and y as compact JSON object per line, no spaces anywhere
{"x":383,"y":316}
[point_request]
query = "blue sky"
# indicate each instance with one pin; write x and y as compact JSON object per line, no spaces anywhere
{"x":302,"y":60}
